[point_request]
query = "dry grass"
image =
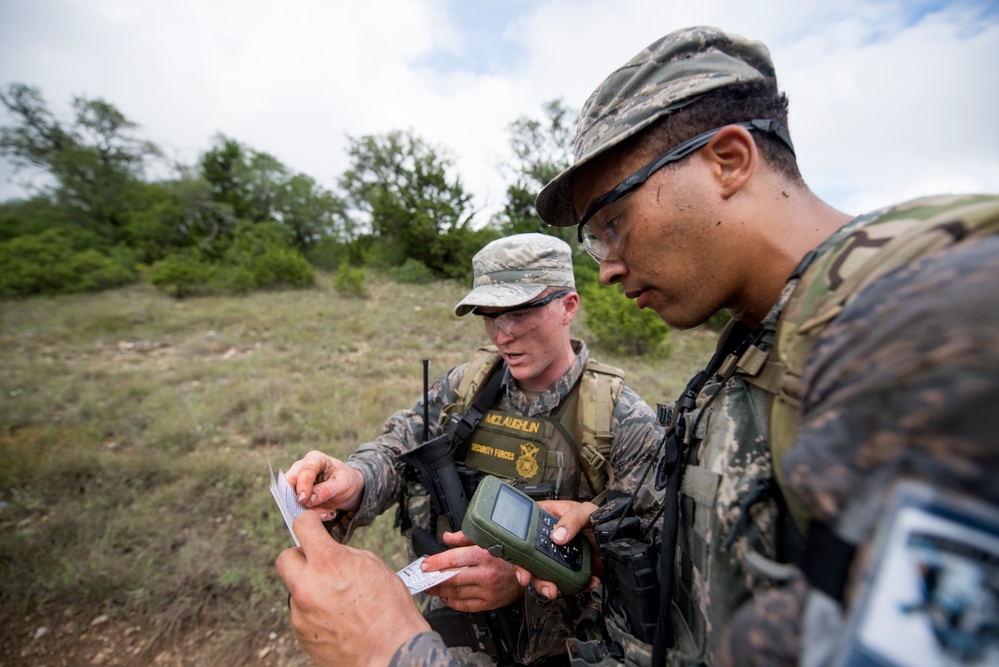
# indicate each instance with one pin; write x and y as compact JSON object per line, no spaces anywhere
{"x":135,"y":432}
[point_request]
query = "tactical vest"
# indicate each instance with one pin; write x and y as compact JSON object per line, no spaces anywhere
{"x":570,"y":450}
{"x":730,"y":540}
{"x":556,"y":449}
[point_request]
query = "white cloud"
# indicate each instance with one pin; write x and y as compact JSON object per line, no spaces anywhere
{"x":886,"y":102}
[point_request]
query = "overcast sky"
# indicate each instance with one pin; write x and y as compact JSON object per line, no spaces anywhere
{"x":890,"y":99}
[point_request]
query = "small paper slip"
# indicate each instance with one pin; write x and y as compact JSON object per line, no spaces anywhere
{"x":286,"y":500}
{"x":417,"y":580}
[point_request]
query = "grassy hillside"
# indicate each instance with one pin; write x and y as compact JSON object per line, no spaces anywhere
{"x":135,"y":432}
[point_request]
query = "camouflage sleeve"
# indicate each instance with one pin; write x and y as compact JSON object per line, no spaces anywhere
{"x":766,"y":632}
{"x":378,"y":460}
{"x":904,"y":382}
{"x":637,"y":436}
{"x":426,"y":649}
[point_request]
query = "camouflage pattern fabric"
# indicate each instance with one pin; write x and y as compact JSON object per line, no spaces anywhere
{"x":866,"y":248}
{"x":901,"y":384}
{"x":767,"y":633}
{"x":913,"y":396}
{"x":516,"y":269}
{"x":636,"y":436}
{"x":728,"y":513}
{"x":664,"y":77}
{"x":426,"y":649}
{"x":728,"y":521}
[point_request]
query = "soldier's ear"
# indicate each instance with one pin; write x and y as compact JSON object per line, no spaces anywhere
{"x":571,"y":304}
{"x":734,"y":157}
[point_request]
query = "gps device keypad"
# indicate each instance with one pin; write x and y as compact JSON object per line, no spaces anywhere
{"x":569,"y":555}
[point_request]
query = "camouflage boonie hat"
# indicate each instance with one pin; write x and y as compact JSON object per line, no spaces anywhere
{"x":516,"y":269}
{"x":667,"y":75}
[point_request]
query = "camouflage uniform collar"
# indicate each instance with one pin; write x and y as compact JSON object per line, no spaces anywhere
{"x":551,"y":398}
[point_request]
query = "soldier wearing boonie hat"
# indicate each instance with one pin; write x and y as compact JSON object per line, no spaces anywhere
{"x":514,"y":270}
{"x":555,"y":419}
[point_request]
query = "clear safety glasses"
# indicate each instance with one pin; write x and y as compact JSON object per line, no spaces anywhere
{"x":600,"y":240}
{"x":520,"y":320}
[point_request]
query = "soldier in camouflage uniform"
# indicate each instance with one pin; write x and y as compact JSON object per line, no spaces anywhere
{"x":862,"y":352}
{"x":524,"y":291}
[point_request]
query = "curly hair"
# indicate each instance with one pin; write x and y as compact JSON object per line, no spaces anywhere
{"x":724,"y":106}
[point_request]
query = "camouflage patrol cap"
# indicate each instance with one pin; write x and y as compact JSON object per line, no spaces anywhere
{"x":516,"y":269}
{"x":667,"y":75}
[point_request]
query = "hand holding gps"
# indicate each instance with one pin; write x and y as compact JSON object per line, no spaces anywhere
{"x":511,"y":526}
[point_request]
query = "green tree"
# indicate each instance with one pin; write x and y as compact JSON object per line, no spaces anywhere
{"x":399,"y":190}
{"x":257,"y":187}
{"x":92,"y":161}
{"x":542,"y":149}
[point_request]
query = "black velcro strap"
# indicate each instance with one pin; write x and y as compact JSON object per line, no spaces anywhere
{"x":473,"y":415}
{"x":826,"y":559}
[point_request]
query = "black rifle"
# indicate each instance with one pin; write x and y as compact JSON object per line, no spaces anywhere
{"x":449,"y":487}
{"x":434,"y":461}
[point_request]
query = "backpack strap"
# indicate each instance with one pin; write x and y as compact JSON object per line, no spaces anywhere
{"x":597,"y":395}
{"x":487,"y":358}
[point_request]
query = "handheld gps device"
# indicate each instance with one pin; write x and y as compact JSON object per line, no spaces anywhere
{"x":511,"y":526}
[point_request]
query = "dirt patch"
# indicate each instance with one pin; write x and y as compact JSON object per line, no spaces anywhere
{"x":59,"y":638}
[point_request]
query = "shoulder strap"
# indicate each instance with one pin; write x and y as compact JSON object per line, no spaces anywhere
{"x":480,"y":368}
{"x":596,"y":397}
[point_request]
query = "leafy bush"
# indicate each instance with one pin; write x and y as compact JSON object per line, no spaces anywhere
{"x":327,"y":253}
{"x":24,"y":217}
{"x":60,"y":260}
{"x":350,"y":280}
{"x":262,"y":256}
{"x":184,"y":273}
{"x":718,"y":321}
{"x":413,"y":272}
{"x":619,"y":326}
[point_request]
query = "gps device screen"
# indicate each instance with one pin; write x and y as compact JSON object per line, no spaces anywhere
{"x":510,"y":525}
{"x":512,"y":511}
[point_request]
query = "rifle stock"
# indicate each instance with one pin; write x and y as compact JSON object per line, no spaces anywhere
{"x":435,"y":468}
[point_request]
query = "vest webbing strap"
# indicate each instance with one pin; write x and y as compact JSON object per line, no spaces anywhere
{"x":731,"y":340}
{"x":826,"y":560}
{"x":473,"y":415}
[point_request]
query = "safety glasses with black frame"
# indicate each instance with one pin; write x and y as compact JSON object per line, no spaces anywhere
{"x":599,"y":242}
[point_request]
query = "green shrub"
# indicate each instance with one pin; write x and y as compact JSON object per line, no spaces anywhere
{"x":260,"y":256}
{"x":327,"y":253}
{"x":350,"y":280}
{"x":184,"y":273}
{"x":413,"y":272}
{"x":263,"y":256}
{"x":619,"y":326}
{"x":59,"y":261}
